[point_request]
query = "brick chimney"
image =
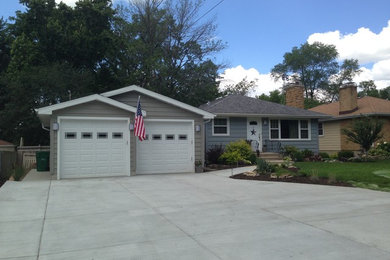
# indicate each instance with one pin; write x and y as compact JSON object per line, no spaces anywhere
{"x":348,"y":98}
{"x":294,"y":95}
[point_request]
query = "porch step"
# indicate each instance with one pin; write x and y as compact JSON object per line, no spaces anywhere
{"x":271,"y":156}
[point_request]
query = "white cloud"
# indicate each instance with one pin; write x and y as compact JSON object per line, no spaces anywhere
{"x":67,"y":2}
{"x":367,"y":47}
{"x":264,"y":82}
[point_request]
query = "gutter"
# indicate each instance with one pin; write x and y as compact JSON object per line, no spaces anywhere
{"x":353,"y":116}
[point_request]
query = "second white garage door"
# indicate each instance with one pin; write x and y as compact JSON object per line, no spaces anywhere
{"x":169,"y":147}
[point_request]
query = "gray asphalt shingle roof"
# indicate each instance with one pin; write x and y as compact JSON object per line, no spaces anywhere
{"x":237,"y":104}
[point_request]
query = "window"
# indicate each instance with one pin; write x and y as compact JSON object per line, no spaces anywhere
{"x":221,"y":126}
{"x":156,"y":137}
{"x":304,"y":129}
{"x":117,"y":135}
{"x":70,"y":135}
{"x":274,"y":129}
{"x":169,"y":137}
{"x":182,"y":137}
{"x":320,"y":129}
{"x":289,"y":129}
{"x":86,"y":135}
{"x":102,"y":135}
{"x":253,"y":123}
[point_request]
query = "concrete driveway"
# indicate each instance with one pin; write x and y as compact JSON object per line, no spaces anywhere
{"x":190,"y":216}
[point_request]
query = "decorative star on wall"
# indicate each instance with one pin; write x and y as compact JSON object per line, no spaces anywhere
{"x":253,"y":132}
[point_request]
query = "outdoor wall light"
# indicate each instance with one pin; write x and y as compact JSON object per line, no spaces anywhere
{"x":55,"y":126}
{"x":197,"y":128}
{"x":131,"y":127}
{"x":265,"y":122}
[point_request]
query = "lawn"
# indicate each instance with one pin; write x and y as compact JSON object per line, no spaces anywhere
{"x":371,"y":175}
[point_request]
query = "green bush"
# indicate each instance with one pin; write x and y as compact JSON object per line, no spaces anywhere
{"x":297,"y":156}
{"x":382,"y":150}
{"x":253,"y":158}
{"x":324,"y":155}
{"x":288,"y":150}
{"x":18,"y":173}
{"x":307,"y":153}
{"x":344,"y":155}
{"x":384,"y":146}
{"x":237,"y":152}
{"x":264,"y":167}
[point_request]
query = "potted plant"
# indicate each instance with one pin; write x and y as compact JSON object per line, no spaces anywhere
{"x":198,"y":166}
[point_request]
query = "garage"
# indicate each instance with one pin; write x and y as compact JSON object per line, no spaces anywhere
{"x":168,"y":147}
{"x":91,"y":147}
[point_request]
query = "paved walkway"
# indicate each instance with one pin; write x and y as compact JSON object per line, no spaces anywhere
{"x":190,"y":216}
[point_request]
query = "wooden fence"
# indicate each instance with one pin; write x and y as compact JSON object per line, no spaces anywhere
{"x":7,"y":162}
{"x":23,"y":156}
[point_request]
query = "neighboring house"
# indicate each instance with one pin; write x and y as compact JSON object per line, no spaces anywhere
{"x":269,"y":126}
{"x":6,"y":146}
{"x":342,"y":113}
{"x":92,"y":136}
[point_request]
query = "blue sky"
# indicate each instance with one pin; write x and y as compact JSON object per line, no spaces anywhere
{"x":258,"y":33}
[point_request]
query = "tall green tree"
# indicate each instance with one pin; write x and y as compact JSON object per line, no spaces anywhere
{"x":274,"y":96}
{"x":313,"y":64}
{"x":368,"y":88}
{"x":364,"y":131}
{"x":244,"y":87}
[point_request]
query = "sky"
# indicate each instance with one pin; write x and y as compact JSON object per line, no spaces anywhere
{"x":258,"y":33}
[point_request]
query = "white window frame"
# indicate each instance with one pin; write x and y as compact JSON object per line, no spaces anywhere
{"x":227,"y":127}
{"x":323,"y":132}
{"x":299,"y":130}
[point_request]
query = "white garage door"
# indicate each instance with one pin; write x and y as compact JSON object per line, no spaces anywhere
{"x":169,"y":147}
{"x":94,"y":148}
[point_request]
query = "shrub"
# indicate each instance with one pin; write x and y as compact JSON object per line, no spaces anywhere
{"x":288,"y":150}
{"x":253,"y":158}
{"x":385,"y":146}
{"x":382,"y":150}
{"x":213,"y":154}
{"x":264,"y":167}
{"x":324,"y":155}
{"x":237,"y":152}
{"x":307,"y":153}
{"x":344,"y":155}
{"x":18,"y":173}
{"x":297,"y":156}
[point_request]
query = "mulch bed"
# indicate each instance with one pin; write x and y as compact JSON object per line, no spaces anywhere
{"x":296,"y":179}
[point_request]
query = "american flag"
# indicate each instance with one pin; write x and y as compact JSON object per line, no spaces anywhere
{"x":139,"y":127}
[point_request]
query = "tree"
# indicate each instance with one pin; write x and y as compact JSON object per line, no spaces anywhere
{"x":368,"y":88}
{"x":169,"y":48}
{"x":313,"y":64}
{"x":364,"y":131}
{"x":348,"y":70}
{"x":244,"y":87}
{"x":385,"y":93}
{"x":274,"y":96}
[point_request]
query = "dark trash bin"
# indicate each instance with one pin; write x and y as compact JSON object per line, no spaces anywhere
{"x":42,"y":161}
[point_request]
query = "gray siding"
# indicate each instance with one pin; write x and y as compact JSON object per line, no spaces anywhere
{"x":91,"y":109}
{"x":156,"y":109}
{"x":237,"y":132}
{"x":300,"y":144}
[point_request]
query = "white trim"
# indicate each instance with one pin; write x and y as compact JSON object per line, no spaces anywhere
{"x":205,"y":114}
{"x":95,"y":97}
{"x":227,"y":127}
{"x":59,"y":133}
{"x":273,"y":116}
{"x":290,"y":139}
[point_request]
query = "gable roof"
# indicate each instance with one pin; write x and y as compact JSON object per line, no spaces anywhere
{"x":366,"y":106}
{"x":95,"y":97}
{"x":205,"y":114}
{"x":2,"y":142}
{"x":238,"y":105}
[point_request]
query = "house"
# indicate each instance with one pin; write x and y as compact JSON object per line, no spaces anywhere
{"x":6,"y":146}
{"x":268,"y":126}
{"x":348,"y":108}
{"x":93,"y":136}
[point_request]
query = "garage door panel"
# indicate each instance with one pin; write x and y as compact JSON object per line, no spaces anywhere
{"x":169,"y":154}
{"x":87,"y":155}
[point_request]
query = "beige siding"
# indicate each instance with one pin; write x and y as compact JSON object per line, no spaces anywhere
{"x":90,"y":109}
{"x":156,"y":109}
{"x":330,"y":141}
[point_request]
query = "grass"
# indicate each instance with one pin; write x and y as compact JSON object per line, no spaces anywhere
{"x":370,"y":175}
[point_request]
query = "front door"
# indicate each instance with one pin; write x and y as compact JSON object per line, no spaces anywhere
{"x":254,"y":133}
